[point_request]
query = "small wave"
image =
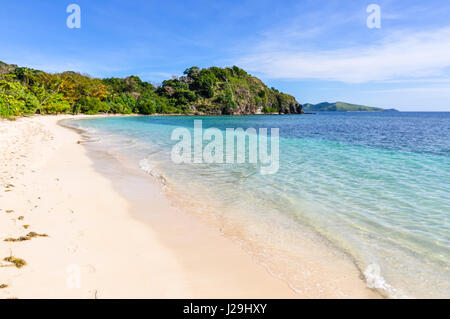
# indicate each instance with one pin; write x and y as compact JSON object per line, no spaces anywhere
{"x":374,"y":280}
{"x":86,"y":129}
{"x":90,"y":139}
{"x":147,"y":167}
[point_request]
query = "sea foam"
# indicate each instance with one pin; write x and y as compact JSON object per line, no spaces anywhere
{"x":148,"y":168}
{"x":375,"y":280}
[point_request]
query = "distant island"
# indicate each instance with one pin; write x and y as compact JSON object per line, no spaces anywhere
{"x":208,"y":91}
{"x":342,"y":107}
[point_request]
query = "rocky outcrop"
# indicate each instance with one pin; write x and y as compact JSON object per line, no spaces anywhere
{"x":7,"y":68}
{"x":292,"y":108}
{"x":227,"y":91}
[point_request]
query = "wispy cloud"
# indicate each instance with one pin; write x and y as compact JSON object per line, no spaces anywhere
{"x":420,"y":80}
{"x":402,"y":55}
{"x":444,"y":90}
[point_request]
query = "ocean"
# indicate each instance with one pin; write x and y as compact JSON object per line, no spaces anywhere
{"x":373,"y":186}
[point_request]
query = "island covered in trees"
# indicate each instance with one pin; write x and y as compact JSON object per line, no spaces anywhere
{"x":342,"y":107}
{"x":211,"y":91}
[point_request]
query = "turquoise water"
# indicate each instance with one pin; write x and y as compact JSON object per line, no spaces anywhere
{"x":374,"y":185}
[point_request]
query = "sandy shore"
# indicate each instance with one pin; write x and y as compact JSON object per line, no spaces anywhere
{"x":95,"y":248}
{"x":82,"y":238}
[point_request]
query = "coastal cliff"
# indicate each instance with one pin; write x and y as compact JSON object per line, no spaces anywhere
{"x":227,"y":91}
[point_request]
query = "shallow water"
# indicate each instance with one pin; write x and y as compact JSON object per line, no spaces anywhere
{"x":374,"y":185}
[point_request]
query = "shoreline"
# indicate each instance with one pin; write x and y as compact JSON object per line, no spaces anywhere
{"x":120,"y":247}
{"x":91,"y":233}
{"x":330,"y":279}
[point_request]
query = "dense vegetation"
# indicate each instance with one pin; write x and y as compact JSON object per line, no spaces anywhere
{"x":25,"y":91}
{"x":341,"y":107}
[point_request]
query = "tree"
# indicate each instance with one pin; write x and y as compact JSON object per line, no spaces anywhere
{"x":146,"y":106}
{"x":204,"y":83}
{"x":192,"y":72}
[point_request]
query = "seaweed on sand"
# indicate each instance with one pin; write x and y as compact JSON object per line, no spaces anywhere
{"x":29,"y":236}
{"x":18,"y":262}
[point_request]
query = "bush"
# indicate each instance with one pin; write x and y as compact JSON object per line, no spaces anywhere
{"x":124,"y":103}
{"x":16,"y":99}
{"x":91,"y":106}
{"x":146,"y":106}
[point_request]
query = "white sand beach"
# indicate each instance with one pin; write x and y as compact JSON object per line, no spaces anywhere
{"x":80,"y":239}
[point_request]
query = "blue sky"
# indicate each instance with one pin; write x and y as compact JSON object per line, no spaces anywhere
{"x":315,"y":50}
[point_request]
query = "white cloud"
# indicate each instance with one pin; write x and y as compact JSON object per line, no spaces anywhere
{"x":440,"y":90}
{"x":421,"y":80}
{"x":400,"y":56}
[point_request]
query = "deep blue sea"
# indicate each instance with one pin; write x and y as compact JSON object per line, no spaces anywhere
{"x":375,"y":186}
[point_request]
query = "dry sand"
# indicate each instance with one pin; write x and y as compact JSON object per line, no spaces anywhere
{"x":96,"y":247}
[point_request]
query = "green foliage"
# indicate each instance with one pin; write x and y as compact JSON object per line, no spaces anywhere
{"x":55,"y":104}
{"x":192,"y":71}
{"x":146,"y":106}
{"x":269,"y":110}
{"x":227,"y":101}
{"x":123,"y":103}
{"x":25,"y":91}
{"x":223,"y":91}
{"x":204,"y":83}
{"x":132,"y":85}
{"x":16,"y":99}
{"x":91,"y":105}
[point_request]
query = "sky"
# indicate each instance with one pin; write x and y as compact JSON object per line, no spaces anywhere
{"x":315,"y":50}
